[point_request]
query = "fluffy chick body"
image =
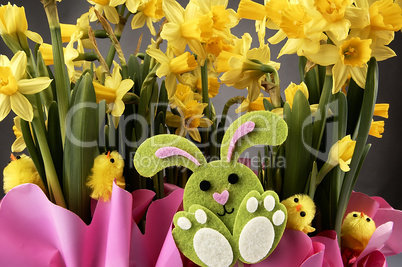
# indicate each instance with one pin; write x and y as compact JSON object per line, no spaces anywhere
{"x":301,"y":212}
{"x":107,"y":168}
{"x":21,"y":170}
{"x":356,"y":231}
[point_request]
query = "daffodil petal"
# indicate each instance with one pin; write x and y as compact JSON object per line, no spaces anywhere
{"x":170,"y":83}
{"x":21,"y":106}
{"x":195,"y":134}
{"x":18,"y":64}
{"x":33,"y":86}
{"x":124,"y":87}
{"x":173,"y":120}
{"x":138,"y":21}
{"x":34,"y":36}
{"x":278,"y":37}
{"x":114,"y":3}
{"x":118,"y":108}
{"x":359,"y":75}
{"x":174,"y":12}
{"x":111,"y":14}
{"x":132,"y":6}
{"x":18,"y":145}
{"x":158,"y":55}
{"x":327,"y":55}
{"x":340,"y":74}
{"x":4,"y":61}
{"x":382,"y":52}
{"x":5,"y":106}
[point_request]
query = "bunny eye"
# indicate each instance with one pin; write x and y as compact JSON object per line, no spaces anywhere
{"x":205,"y":185}
{"x":233,"y":178}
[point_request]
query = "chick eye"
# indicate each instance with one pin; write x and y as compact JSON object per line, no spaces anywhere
{"x":296,"y":200}
{"x":18,"y":157}
{"x":112,"y":160}
{"x":205,"y":185}
{"x":355,"y":215}
{"x":302,"y":214}
{"x":105,"y":153}
{"x":368,"y":219}
{"x":233,"y":178}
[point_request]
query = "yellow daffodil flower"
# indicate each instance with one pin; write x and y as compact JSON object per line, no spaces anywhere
{"x":47,"y":53}
{"x":13,"y":86}
{"x":146,"y":12}
{"x":108,"y":7}
{"x":291,"y":90}
{"x":14,"y":27}
{"x":172,"y":66}
{"x":223,"y":19}
{"x":194,"y":80}
{"x":335,"y":16}
{"x":190,"y":118}
{"x":293,"y":24}
{"x":385,"y":15}
{"x":257,"y":104}
{"x":381,"y":110}
{"x":113,"y":91}
{"x":377,"y":128}
{"x":82,"y":25}
{"x":19,"y":143}
{"x":246,"y":69}
{"x":185,"y":27}
{"x":348,"y":57}
{"x":341,"y":153}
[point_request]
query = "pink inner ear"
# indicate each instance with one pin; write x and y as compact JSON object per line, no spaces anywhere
{"x":170,"y":151}
{"x":244,"y":129}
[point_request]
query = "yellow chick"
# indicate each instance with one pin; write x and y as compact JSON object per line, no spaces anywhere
{"x":356,"y":231}
{"x":21,"y":170}
{"x":107,"y":167}
{"x":301,"y":212}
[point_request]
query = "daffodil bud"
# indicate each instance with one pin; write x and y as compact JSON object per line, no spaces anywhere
{"x":290,"y":92}
{"x":341,"y":153}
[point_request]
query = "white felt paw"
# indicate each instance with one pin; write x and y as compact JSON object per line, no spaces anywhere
{"x":259,"y":225}
{"x":212,"y":243}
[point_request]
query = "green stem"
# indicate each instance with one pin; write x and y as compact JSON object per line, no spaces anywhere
{"x":62,"y":81}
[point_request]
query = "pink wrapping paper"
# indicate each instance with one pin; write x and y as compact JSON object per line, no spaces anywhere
{"x":35,"y":232}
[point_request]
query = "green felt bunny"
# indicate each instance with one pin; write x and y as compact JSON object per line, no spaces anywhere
{"x":227,"y":215}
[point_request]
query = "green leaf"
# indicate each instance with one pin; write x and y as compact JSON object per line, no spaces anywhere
{"x":366,"y":115}
{"x":267,"y":105}
{"x":298,"y":156}
{"x":80,"y":148}
{"x":355,"y":99}
{"x":54,"y":140}
{"x":47,"y":94}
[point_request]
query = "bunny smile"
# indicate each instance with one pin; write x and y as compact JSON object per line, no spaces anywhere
{"x":225,"y":211}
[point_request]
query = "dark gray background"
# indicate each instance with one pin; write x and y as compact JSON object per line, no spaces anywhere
{"x":381,"y":171}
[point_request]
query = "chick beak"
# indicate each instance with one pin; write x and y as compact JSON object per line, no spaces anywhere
{"x":108,"y":154}
{"x":298,"y":207}
{"x":12,"y":157}
{"x":362,"y":214}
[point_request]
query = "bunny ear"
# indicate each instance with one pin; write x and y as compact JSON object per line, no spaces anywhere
{"x":251,"y":129}
{"x":165,"y":150}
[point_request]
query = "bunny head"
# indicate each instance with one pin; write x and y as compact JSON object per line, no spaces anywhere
{"x":220,"y":185}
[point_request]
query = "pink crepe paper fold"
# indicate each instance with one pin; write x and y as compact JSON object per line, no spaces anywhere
{"x":35,"y":232}
{"x":145,"y":248}
{"x":298,"y":249}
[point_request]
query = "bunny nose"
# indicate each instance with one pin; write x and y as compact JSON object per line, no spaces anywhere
{"x":221,"y":198}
